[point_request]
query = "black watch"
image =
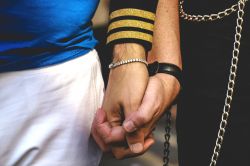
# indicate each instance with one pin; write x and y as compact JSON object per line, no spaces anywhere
{"x":166,"y":68}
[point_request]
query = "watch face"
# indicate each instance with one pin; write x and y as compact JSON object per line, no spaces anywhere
{"x":153,"y":68}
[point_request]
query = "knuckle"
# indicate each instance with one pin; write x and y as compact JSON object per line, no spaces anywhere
{"x":142,"y":118}
{"x":134,"y":105}
{"x":103,"y":134}
{"x":106,"y":140}
{"x":118,"y":155}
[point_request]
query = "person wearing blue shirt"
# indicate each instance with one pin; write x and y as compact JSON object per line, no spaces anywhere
{"x":50,"y":79}
{"x":36,"y":33}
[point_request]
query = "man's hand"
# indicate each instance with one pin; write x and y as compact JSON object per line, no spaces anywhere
{"x":134,"y":97}
{"x":104,"y":134}
{"x":114,"y":138}
{"x":125,"y":90}
{"x":161,"y":91}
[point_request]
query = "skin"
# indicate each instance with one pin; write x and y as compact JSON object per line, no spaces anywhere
{"x":134,"y":102}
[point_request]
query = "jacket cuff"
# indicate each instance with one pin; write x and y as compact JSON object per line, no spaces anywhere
{"x":131,"y":21}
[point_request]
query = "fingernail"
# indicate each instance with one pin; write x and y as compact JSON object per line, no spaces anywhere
{"x":129,"y":126}
{"x":136,"y":148}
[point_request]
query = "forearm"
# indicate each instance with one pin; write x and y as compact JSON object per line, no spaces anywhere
{"x":130,"y":92}
{"x":128,"y":51}
{"x":131,"y":26}
{"x":166,"y":40}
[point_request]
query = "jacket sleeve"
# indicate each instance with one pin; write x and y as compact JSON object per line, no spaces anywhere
{"x":131,"y":21}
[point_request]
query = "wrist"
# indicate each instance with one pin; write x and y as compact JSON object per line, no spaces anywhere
{"x":128,"y":51}
{"x":127,"y":61}
{"x":171,"y":85}
{"x":166,"y":68}
{"x":174,"y":61}
{"x":172,"y":56}
{"x":170,"y":75}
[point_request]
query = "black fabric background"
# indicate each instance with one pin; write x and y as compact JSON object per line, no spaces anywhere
{"x":207,"y":52}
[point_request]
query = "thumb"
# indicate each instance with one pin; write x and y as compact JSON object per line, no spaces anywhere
{"x":140,"y":118}
{"x":136,"y":141}
{"x":135,"y":122}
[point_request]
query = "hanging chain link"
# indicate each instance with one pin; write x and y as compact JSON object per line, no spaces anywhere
{"x":166,"y":150}
{"x":231,"y":84}
{"x":239,"y":7}
{"x":208,"y":17}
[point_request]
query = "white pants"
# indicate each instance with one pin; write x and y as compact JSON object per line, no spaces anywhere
{"x":46,"y":114}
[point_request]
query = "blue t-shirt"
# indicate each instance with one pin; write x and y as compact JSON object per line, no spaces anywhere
{"x":38,"y":33}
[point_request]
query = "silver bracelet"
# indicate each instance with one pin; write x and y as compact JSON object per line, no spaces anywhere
{"x":119,"y":63}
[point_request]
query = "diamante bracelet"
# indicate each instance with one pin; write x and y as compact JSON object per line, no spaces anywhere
{"x":122,"y":62}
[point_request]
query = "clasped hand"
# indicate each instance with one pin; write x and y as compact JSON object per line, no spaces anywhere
{"x":133,"y":104}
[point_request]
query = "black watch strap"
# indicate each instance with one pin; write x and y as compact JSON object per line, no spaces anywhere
{"x":167,"y":68}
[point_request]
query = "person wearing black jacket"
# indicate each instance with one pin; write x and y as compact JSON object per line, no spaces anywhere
{"x":210,"y":91}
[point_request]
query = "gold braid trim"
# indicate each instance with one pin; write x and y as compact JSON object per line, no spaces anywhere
{"x":130,"y":34}
{"x":131,"y":23}
{"x":132,"y":12}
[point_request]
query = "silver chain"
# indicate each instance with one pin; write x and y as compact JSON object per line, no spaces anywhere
{"x":239,"y":7}
{"x":209,"y":17}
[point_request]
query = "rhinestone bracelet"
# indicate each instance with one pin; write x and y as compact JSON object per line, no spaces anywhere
{"x":122,"y":62}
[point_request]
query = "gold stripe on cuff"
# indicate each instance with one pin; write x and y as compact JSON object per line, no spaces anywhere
{"x":131,"y":23}
{"x":132,"y":12}
{"x":130,"y":34}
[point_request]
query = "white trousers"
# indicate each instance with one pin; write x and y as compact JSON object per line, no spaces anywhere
{"x":46,"y":114}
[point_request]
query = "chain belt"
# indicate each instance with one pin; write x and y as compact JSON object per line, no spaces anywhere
{"x":239,"y":8}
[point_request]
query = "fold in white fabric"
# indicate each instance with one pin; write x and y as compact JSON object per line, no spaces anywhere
{"x":46,"y":114}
